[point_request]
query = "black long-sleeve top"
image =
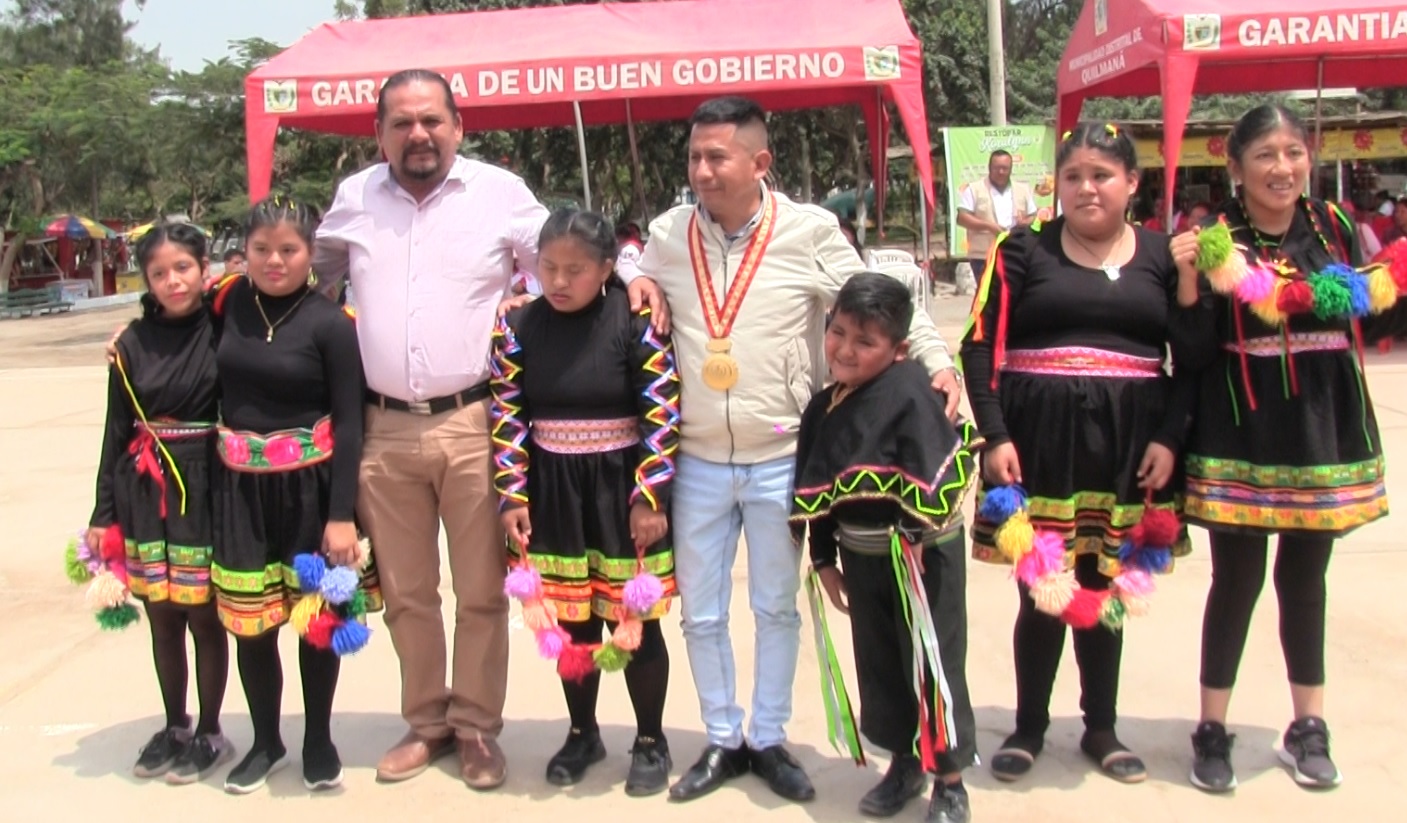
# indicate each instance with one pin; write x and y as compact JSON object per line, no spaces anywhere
{"x":171,"y":365}
{"x":311,"y":369}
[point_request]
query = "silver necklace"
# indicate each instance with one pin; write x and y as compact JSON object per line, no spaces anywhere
{"x":1110,"y":270}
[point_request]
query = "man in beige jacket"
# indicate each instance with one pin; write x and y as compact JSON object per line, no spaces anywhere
{"x":748,"y":275}
{"x":992,"y":205}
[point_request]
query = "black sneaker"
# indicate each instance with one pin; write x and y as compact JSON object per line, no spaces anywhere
{"x":156,"y":757}
{"x":903,"y":782}
{"x":649,"y":767}
{"x":1306,"y":750}
{"x":950,"y":804}
{"x":322,"y":768}
{"x":254,"y":770}
{"x":568,"y":766}
{"x":1211,"y":758}
{"x":203,"y":753}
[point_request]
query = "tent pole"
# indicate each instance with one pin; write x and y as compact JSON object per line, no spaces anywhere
{"x":635,"y":170}
{"x":1314,"y":187}
{"x":581,"y":150}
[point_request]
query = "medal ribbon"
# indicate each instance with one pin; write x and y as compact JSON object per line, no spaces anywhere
{"x":720,"y":323}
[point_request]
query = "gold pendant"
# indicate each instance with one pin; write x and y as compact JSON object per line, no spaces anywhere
{"x":720,"y":370}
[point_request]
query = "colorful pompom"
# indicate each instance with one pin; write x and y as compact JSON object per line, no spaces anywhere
{"x":349,"y":637}
{"x":1331,"y":297}
{"x":1113,"y":614}
{"x":1160,"y":528}
{"x":307,"y":608}
{"x":320,"y":629}
{"x":550,"y":642}
{"x":1227,"y":277}
{"x":1360,"y":298}
{"x":1015,"y":537}
{"x":575,"y":663}
{"x":1053,"y":593}
{"x":1001,"y":502}
{"x":339,"y":585}
{"x":1214,"y":246}
{"x":642,"y":592}
{"x":536,"y":616}
{"x":1084,"y":609}
{"x":1150,"y":560}
{"x":118,"y":617}
{"x":356,"y":607}
{"x":114,"y":553}
{"x":1382,"y":291}
{"x":1268,"y":309}
{"x":1295,"y":298}
{"x":523,"y":582}
{"x":310,"y":569}
{"x":75,"y":568}
{"x":105,"y":592}
{"x":1394,"y":256}
{"x":1134,"y":582}
{"x":1134,"y":606}
{"x":627,"y":634}
{"x":1257,"y":285}
{"x":611,"y":658}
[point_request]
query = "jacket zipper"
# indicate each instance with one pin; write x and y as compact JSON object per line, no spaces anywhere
{"x":728,"y":393}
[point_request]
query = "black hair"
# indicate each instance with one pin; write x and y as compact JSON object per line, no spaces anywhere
{"x":1105,"y":138}
{"x":871,"y":297}
{"x":408,"y":76}
{"x":1257,"y":123}
{"x":230,"y":254}
{"x":732,"y":110}
{"x":628,"y":231}
{"x":593,"y":230}
{"x":272,"y":211}
{"x":185,"y":235}
{"x":998,"y":153}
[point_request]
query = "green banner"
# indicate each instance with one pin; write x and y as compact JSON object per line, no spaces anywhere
{"x":967,"y":151}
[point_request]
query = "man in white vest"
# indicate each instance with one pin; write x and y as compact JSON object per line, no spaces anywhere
{"x":992,"y":205}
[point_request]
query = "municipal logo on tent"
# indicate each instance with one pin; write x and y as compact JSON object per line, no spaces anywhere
{"x":280,"y":96}
{"x":1101,"y":17}
{"x":882,"y":63}
{"x":1201,"y":32}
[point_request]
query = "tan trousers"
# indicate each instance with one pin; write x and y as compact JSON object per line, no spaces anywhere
{"x":416,"y":472}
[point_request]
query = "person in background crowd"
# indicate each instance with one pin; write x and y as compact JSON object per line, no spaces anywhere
{"x":993,"y":205}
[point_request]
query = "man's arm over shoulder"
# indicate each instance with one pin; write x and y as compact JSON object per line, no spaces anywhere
{"x":526,"y":214}
{"x":331,"y":254}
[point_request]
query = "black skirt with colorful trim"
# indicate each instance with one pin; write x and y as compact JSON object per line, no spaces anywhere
{"x":1080,"y":440}
{"x":581,"y":544}
{"x":271,"y":498}
{"x":167,"y":533}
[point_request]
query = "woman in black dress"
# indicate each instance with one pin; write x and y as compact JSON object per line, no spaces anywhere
{"x":1284,"y":439}
{"x":586,"y":424}
{"x":289,"y":447}
{"x":1064,"y":360}
{"x":154,"y":485}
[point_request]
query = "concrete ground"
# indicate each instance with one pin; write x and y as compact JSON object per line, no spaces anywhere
{"x":75,"y":704}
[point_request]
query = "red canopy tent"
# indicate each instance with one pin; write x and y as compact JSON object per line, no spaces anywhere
{"x":1175,"y":48}
{"x":599,"y":64}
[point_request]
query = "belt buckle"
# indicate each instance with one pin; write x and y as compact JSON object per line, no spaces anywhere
{"x":418,"y":407}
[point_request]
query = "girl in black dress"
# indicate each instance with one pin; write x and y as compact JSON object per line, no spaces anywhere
{"x":1284,"y":438}
{"x":586,"y":424}
{"x":154,"y":485}
{"x":1064,"y":360}
{"x":289,"y":448}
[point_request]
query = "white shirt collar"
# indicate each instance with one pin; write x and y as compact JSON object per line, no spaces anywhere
{"x":747,"y":227}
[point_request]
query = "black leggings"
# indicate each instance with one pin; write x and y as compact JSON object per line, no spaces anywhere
{"x":646,"y":678}
{"x":1039,"y":642}
{"x":169,"y":622}
{"x":261,"y":673}
{"x":1238,"y":573}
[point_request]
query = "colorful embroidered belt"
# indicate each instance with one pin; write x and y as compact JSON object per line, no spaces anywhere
{"x":586,"y":436}
{"x":1078,"y":361}
{"x":1291,"y":344}
{"x":147,"y":440}
{"x":279,"y":451}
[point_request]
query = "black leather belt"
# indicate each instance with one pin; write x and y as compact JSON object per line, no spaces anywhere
{"x":435,"y":405}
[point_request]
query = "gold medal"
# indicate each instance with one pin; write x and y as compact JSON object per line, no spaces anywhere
{"x":720,"y":369}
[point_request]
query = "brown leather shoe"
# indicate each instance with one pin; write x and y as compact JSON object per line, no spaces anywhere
{"x":411,"y":756}
{"x":481,"y":763}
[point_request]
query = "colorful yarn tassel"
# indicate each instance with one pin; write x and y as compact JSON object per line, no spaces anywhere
{"x":328,"y":616}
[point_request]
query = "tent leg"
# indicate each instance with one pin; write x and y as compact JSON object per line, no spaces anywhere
{"x":1314,"y":187}
{"x":636,"y":173}
{"x":581,"y":150}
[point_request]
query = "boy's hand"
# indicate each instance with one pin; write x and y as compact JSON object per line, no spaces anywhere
{"x":1001,"y":466}
{"x":647,"y":526}
{"x":834,"y":584}
{"x":949,"y":382}
{"x":518,"y":525}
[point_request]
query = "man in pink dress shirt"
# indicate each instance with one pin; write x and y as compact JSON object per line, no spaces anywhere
{"x":429,"y":241}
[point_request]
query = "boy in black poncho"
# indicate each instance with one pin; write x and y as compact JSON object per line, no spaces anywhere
{"x":881,"y":473}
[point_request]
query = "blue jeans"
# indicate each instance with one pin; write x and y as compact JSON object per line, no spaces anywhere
{"x":713,"y":504}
